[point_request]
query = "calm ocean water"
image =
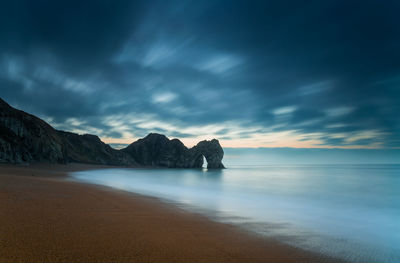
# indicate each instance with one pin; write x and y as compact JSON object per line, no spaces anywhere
{"x":347,"y":211}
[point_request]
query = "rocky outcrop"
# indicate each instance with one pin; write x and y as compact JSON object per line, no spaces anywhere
{"x":89,"y":148}
{"x":212,"y":151}
{"x":157,"y":150}
{"x":25,"y":138}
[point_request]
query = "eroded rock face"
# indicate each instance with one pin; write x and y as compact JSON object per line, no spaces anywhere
{"x":157,"y":150}
{"x":25,"y":138}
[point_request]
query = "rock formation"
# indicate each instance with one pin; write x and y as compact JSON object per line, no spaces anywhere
{"x":212,"y":151}
{"x":157,"y":150}
{"x":89,"y":148}
{"x":25,"y":138}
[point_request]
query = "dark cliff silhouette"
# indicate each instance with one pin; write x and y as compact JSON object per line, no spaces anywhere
{"x":25,"y":138}
{"x":157,"y":150}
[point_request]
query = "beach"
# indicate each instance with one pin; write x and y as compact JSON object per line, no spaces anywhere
{"x":45,"y":218}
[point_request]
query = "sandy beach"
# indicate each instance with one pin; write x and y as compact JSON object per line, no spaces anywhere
{"x":45,"y":218}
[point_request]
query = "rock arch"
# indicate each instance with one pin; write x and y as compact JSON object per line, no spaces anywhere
{"x":212,"y":151}
{"x":157,"y":150}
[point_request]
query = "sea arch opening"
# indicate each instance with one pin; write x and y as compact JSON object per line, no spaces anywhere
{"x":205,"y":163}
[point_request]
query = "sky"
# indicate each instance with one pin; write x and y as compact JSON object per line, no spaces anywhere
{"x":305,"y":74}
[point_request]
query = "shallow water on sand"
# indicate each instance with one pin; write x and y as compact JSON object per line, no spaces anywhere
{"x":347,"y":211}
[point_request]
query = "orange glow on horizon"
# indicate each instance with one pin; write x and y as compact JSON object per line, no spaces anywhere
{"x":248,"y":143}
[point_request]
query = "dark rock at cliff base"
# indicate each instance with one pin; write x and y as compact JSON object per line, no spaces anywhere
{"x":157,"y":150}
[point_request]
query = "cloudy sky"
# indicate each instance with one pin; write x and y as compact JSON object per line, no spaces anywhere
{"x":250,"y":73}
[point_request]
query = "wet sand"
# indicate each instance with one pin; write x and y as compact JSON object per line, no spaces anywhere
{"x":44,"y":218}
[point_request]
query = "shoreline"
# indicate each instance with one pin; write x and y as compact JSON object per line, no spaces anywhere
{"x":44,"y":218}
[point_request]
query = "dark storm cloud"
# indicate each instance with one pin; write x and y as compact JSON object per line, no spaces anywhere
{"x":325,"y":70}
{"x":74,"y":30}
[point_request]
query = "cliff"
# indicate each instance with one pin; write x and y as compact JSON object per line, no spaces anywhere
{"x":89,"y":148}
{"x":157,"y":150}
{"x":25,"y":138}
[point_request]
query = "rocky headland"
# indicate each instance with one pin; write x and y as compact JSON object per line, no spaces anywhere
{"x":25,"y":138}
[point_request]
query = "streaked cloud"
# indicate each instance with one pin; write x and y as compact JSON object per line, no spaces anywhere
{"x":284,"y":110}
{"x":338,"y":111}
{"x":220,"y":64}
{"x":273,"y":74}
{"x":164,"y":97}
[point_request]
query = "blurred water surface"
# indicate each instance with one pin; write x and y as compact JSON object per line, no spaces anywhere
{"x":348,"y":211}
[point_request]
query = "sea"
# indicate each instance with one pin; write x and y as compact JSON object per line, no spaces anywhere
{"x":345,"y":210}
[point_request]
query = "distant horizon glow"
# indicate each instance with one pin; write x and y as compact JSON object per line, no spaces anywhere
{"x":240,"y":143}
{"x":270,"y":139}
